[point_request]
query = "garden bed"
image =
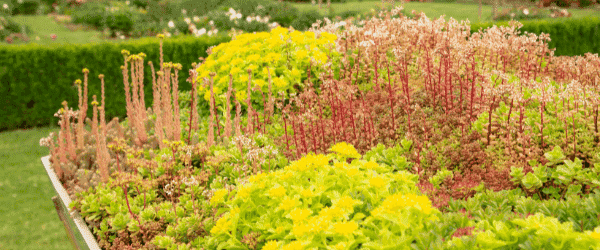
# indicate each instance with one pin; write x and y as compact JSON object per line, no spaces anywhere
{"x":404,"y":132}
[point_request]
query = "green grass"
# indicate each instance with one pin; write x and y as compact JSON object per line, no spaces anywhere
{"x":459,"y":11}
{"x":29,"y":219}
{"x":44,"y":26}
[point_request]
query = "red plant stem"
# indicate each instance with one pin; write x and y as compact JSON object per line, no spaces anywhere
{"x":303,"y":134}
{"x":521,"y":118}
{"x":129,"y":207}
{"x":216,"y":117}
{"x":314,"y":137}
{"x":508,"y":120}
{"x":333,"y":114}
{"x":596,"y":123}
{"x":575,"y":131}
{"x":490,"y":120}
{"x":287,"y":144}
{"x":191,"y":111}
{"x":439,"y":84}
{"x":352,"y":120}
{"x":543,"y":104}
{"x":341,"y":114}
{"x":322,"y":125}
{"x":376,"y":74}
{"x":295,"y":140}
{"x":471,"y":118}
{"x":392,"y":100}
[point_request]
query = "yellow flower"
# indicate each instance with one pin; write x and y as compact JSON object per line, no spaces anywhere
{"x":259,"y":82}
{"x":241,"y":96}
{"x":328,"y":36}
{"x":286,"y":175}
{"x":595,"y":234}
{"x":331,"y":212}
{"x":347,"y":203}
{"x":423,"y":204}
{"x":222,"y":226}
{"x":340,"y":165}
{"x":288,"y":203}
{"x":352,"y":171}
{"x":218,"y":196}
{"x":377,"y":182}
{"x":345,"y":228}
{"x":294,"y":245}
{"x":257,"y":178}
{"x":272,"y":57}
{"x":296,"y":73}
{"x":244,"y":192}
{"x":277,"y":192}
{"x":252,"y":67}
{"x":371,"y":165}
{"x":271,"y":245}
{"x":225,"y":67}
{"x":300,"y":214}
{"x":307,"y":193}
{"x":300,"y":230}
{"x":319,"y":224}
{"x":235,"y":71}
{"x":339,"y":246}
{"x":279,"y":82}
{"x":265,"y":72}
{"x":346,"y":150}
{"x":253,"y":58}
{"x":236,"y":61}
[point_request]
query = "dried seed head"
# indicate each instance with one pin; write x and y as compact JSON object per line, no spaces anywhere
{"x":101,"y":76}
{"x":213,"y":74}
{"x":160,"y":73}
{"x":122,"y":67}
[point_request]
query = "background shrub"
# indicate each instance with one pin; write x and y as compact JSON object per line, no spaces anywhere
{"x":283,"y":13}
{"x":306,"y":19}
{"x":25,"y":7}
{"x":35,"y":79}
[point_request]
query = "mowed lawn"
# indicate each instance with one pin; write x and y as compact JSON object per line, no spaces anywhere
{"x":28,"y":218}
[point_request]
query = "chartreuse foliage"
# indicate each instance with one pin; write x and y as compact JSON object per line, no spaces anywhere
{"x":534,"y":232}
{"x":283,"y":54}
{"x":567,"y":176}
{"x":324,"y":202}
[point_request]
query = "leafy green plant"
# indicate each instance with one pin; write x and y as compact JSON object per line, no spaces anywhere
{"x":314,"y":203}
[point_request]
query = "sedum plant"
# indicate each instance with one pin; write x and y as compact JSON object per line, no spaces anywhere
{"x":278,"y":59}
{"x":322,"y":201}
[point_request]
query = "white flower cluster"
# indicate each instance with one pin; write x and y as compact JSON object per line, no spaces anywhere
{"x":47,"y":141}
{"x":232,"y":14}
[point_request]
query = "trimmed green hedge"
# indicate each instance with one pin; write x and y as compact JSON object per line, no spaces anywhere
{"x":570,"y":37}
{"x":35,"y":79}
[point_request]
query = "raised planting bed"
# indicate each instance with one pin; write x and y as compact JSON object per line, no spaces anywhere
{"x":404,"y":133}
{"x":77,"y":230}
